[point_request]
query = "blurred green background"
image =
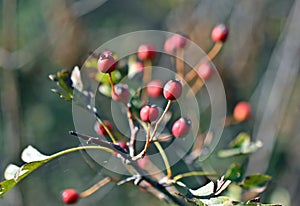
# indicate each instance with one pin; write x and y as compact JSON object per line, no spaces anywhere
{"x":259,"y":63}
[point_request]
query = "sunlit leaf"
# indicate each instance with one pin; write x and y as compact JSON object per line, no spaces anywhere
{"x":31,"y":154}
{"x":255,"y":181}
{"x":243,"y":139}
{"x":10,"y":171}
{"x":243,"y":150}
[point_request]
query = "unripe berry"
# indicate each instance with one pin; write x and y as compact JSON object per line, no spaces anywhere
{"x":121,"y":93}
{"x":204,"y":71}
{"x":181,"y":127}
{"x":146,"y":51}
{"x":155,"y":88}
{"x":106,"y":62}
{"x":100,"y":130}
{"x":172,"y":90}
{"x":220,"y":33}
{"x":149,"y":113}
{"x":70,"y":196}
{"x":242,"y":111}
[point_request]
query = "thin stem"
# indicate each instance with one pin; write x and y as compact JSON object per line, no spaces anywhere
{"x":179,"y":62}
{"x":133,"y":131}
{"x":111,"y":84}
{"x":162,"y":138}
{"x":160,"y":120}
{"x":165,"y":159}
{"x":147,"y":144}
{"x":190,"y":174}
{"x":215,"y":50}
{"x":95,"y":187}
{"x":209,"y":57}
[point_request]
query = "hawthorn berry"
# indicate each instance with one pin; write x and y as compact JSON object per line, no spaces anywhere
{"x":176,"y":41}
{"x":106,"y":62}
{"x":146,"y":51}
{"x":123,"y":145}
{"x":70,"y":196}
{"x":220,"y":33}
{"x":100,"y":130}
{"x":149,"y":113}
{"x":121,"y":93}
{"x":172,"y":90}
{"x":204,"y":71}
{"x":181,"y":127}
{"x":155,"y":88}
{"x":242,"y":111}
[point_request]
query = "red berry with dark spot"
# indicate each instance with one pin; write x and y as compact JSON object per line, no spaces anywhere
{"x":106,"y":62}
{"x":121,"y":93}
{"x":70,"y":196}
{"x":155,"y":88}
{"x":181,"y":127}
{"x":123,"y":145}
{"x":220,"y":33}
{"x":242,"y":111}
{"x":149,"y":113}
{"x":172,"y":90}
{"x":146,"y":51}
{"x":204,"y":71}
{"x":100,"y":130}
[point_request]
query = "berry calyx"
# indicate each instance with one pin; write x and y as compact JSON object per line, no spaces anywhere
{"x":155,"y":88}
{"x":204,"y":71}
{"x":172,"y":90}
{"x":100,"y":130}
{"x":121,"y":93}
{"x":242,"y":111}
{"x":149,"y":113}
{"x":106,"y":62}
{"x":70,"y":196}
{"x":176,"y":41}
{"x":220,"y":33}
{"x":146,"y":51}
{"x":181,"y":127}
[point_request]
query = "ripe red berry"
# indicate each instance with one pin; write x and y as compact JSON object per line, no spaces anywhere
{"x":220,"y":33}
{"x":155,"y":88}
{"x":204,"y":71}
{"x":149,"y":113}
{"x":176,"y":41}
{"x":70,"y":196}
{"x":121,"y":93}
{"x":242,"y":111}
{"x":181,"y":127}
{"x":172,"y":90}
{"x":123,"y":145}
{"x":146,"y":51}
{"x":100,"y":130}
{"x":106,"y":62}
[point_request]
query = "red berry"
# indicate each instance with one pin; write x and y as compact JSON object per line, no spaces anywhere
{"x":176,"y":41}
{"x":219,"y":33}
{"x":106,"y":62}
{"x":146,"y":51}
{"x":172,"y":90}
{"x":121,"y":93}
{"x":155,"y":88}
{"x":181,"y":127}
{"x":204,"y":70}
{"x":242,"y":111}
{"x":99,"y":128}
{"x":70,"y":196}
{"x":149,"y":113}
{"x":123,"y":145}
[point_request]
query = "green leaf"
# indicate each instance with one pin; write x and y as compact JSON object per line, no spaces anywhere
{"x":29,"y":167}
{"x":234,"y":173}
{"x":243,"y":139}
{"x":255,"y":181}
{"x":243,"y":150}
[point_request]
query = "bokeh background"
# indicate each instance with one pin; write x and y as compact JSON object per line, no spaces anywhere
{"x":259,"y":63}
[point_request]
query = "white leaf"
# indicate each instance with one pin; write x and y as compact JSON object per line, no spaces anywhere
{"x":30,"y":154}
{"x":11,"y":171}
{"x":76,"y":79}
{"x":205,"y":190}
